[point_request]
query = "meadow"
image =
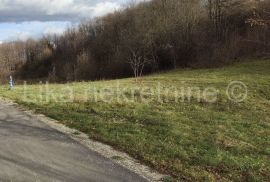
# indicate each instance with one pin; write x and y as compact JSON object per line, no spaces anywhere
{"x":186,"y":123}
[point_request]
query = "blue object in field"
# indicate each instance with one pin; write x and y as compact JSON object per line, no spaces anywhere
{"x":10,"y":83}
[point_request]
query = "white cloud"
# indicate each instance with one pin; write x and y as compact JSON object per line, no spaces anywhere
{"x":54,"y":30}
{"x":105,"y":8}
{"x":23,"y":36}
{"x":21,"y":19}
{"x":56,"y":10}
{"x":34,"y":29}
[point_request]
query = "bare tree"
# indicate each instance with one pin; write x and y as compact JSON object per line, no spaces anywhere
{"x":137,"y":63}
{"x":12,"y":56}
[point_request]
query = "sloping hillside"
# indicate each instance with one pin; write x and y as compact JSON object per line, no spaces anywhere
{"x":211,"y":133}
{"x":160,"y":35}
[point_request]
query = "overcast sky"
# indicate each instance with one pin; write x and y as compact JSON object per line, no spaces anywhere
{"x":21,"y":19}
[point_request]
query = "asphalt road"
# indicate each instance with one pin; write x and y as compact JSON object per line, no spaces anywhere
{"x":32,"y":151}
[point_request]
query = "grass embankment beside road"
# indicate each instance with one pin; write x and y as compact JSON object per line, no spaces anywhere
{"x":179,"y":133}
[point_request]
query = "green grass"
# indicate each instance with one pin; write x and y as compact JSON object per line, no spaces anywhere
{"x":196,"y":140}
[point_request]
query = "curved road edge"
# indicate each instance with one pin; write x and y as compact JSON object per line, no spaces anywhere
{"x":121,"y":158}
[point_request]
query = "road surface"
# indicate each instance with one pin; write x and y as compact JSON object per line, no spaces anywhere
{"x":32,"y":151}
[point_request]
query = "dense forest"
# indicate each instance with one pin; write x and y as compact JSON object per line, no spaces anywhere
{"x":143,"y":38}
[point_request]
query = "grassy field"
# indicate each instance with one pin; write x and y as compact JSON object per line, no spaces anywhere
{"x":161,"y":123}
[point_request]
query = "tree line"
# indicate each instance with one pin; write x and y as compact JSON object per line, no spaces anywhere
{"x":143,"y":38}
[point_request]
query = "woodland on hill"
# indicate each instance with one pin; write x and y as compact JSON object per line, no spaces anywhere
{"x":143,"y":38}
